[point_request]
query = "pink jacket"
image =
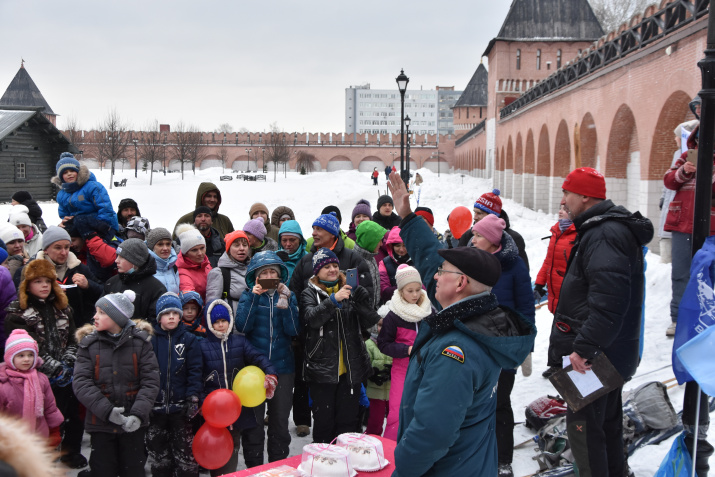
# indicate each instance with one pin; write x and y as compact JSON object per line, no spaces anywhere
{"x":192,"y":276}
{"x":12,"y":397}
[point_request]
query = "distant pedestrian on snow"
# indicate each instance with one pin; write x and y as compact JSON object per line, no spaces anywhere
{"x":375,"y":175}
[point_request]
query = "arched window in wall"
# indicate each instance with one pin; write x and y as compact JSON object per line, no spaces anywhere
{"x":538,"y":59}
{"x":518,"y":59}
{"x":558,"y":58}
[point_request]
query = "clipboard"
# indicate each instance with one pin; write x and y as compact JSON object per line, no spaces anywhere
{"x":604,"y":373}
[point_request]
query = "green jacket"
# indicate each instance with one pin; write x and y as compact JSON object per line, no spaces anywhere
{"x":349,"y":243}
{"x":220,"y":222}
{"x":378,"y":361}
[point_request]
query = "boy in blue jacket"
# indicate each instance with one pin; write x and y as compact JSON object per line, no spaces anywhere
{"x":269,"y":319}
{"x":170,"y":432}
{"x":224,"y":355}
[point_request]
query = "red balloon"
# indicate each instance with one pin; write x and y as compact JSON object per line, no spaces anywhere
{"x":212,"y":446}
{"x":460,"y":220}
{"x":221,"y":408}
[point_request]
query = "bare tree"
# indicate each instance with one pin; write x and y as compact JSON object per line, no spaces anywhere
{"x":113,"y":141}
{"x":611,"y":13}
{"x":277,"y":148}
{"x":152,"y":147}
{"x":73,"y":131}
{"x":223,"y":155}
{"x":188,"y":146}
{"x":225,"y":128}
{"x":305,"y":162}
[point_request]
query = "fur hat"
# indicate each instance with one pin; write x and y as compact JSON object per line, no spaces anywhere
{"x":189,"y":237}
{"x":167,"y":302}
{"x":489,"y":203}
{"x":119,"y":306}
{"x":491,"y":228}
{"x":329,"y":223}
{"x":10,"y":233}
{"x":154,"y":236}
{"x":323,"y":257}
{"x":134,"y":251}
{"x":19,"y":341}
{"x":256,"y":227}
{"x":406,"y":274}
{"x":54,"y":234}
{"x":256,"y":207}
{"x":586,"y":181}
{"x":67,"y":162}
{"x":362,"y":207}
{"x":36,"y":269}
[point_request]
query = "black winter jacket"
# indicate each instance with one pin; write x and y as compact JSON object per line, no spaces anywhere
{"x":146,"y":286}
{"x":599,"y":309}
{"x":393,"y":220}
{"x":327,"y":325}
{"x":111,"y":373}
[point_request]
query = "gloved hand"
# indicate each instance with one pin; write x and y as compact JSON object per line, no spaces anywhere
{"x":526,"y":366}
{"x":284,"y":296}
{"x":191,"y":408}
{"x":70,"y":356}
{"x":270,"y":384}
{"x":50,"y":367}
{"x":360,"y":295}
{"x":55,"y":437}
{"x":64,"y":377}
{"x":83,"y":224}
{"x":117,"y":417}
{"x":539,"y":293}
{"x":132,"y":424}
{"x":102,"y":227}
{"x":377,"y":377}
{"x":660,"y":203}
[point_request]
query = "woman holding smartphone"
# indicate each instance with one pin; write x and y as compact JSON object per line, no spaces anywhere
{"x":268,"y":316}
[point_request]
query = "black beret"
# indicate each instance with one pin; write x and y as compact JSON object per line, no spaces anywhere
{"x":475,"y":263}
{"x":202,"y":209}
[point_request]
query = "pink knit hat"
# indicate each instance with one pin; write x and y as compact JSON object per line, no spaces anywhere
{"x":406,"y":275}
{"x":18,"y":342}
{"x":491,"y":228}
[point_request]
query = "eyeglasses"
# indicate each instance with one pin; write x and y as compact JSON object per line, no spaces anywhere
{"x":441,"y":270}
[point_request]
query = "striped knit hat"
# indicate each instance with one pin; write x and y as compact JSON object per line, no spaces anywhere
{"x":18,"y":342}
{"x":67,"y":162}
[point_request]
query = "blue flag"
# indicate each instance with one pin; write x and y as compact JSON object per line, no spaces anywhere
{"x":697,"y":307}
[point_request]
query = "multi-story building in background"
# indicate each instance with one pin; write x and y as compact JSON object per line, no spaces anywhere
{"x":377,"y":111}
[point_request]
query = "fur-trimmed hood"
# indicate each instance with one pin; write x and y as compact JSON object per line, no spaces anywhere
{"x":38,"y":269}
{"x":83,"y":177}
{"x":25,"y":451}
{"x":141,"y":325}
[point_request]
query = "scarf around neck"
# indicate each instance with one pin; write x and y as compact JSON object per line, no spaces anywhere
{"x":410,"y":312}
{"x":33,"y":404}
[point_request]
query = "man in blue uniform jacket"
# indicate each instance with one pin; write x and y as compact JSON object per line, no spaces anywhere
{"x":447,"y":418}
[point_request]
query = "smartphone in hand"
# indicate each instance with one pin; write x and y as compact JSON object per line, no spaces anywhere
{"x":269,"y":283}
{"x":352,"y":277}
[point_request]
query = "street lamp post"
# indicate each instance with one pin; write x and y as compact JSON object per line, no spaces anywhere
{"x":438,"y":154}
{"x":135,"y":157}
{"x":263,"y":161}
{"x":163,"y":155}
{"x":406,"y":172}
{"x":402,"y":81}
{"x":248,"y":166}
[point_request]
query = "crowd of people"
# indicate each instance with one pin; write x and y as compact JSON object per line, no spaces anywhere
{"x":121,"y":330}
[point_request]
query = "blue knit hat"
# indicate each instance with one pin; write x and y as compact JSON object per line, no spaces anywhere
{"x":189,"y":296}
{"x":323,"y":257}
{"x":329,"y":223}
{"x":218,"y":310}
{"x":67,"y":162}
{"x":167,"y":302}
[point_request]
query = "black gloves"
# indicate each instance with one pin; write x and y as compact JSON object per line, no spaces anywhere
{"x":191,"y":408}
{"x":539,"y":293}
{"x":380,"y":377}
{"x":360,"y":295}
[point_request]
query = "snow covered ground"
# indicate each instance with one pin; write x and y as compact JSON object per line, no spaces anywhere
{"x":169,"y":197}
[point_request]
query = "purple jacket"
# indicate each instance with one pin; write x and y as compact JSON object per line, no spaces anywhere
{"x":8,"y":294}
{"x":12,"y":398}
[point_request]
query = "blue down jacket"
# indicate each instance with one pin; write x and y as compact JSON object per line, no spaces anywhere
{"x":86,"y":196}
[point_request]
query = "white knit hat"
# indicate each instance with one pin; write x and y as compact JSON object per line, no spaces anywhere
{"x":9,"y":233}
{"x":405,"y":275}
{"x":190,"y":237}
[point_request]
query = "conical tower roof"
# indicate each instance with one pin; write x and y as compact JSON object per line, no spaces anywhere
{"x":24,"y":92}
{"x":475,"y":94}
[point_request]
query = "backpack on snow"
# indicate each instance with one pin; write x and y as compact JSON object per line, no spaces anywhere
{"x":543,"y":409}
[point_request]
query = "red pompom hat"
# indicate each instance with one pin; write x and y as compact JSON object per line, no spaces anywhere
{"x":489,"y":203}
{"x":586,"y":181}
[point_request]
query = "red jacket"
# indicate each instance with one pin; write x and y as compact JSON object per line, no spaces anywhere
{"x":554,"y":267}
{"x":680,"y":211}
{"x":192,"y":276}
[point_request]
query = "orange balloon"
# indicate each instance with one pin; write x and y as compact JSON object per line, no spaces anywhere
{"x":460,"y":220}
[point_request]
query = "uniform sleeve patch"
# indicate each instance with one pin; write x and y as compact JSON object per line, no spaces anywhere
{"x":454,"y":352}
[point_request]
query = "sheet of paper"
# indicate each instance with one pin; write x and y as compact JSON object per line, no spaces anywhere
{"x":65,"y":287}
{"x":585,"y":383}
{"x":566,"y":361}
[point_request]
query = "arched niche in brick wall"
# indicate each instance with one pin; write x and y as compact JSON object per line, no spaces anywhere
{"x":622,"y":142}
{"x":529,"y":166}
{"x":519,"y":156}
{"x":562,"y":151}
{"x":543,"y":156}
{"x":518,"y":178}
{"x":589,"y":142}
{"x":675,"y":110}
{"x":509,"y":154}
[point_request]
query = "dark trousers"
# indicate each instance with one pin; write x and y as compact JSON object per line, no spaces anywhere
{"x":69,"y":406}
{"x":120,"y":454}
{"x":232,"y":463}
{"x":168,"y":441}
{"x":377,"y":414}
{"x":705,"y":449}
{"x":596,"y":436}
{"x":680,"y":269}
{"x":301,"y":400}
{"x":374,"y":180}
{"x":505,"y":417}
{"x":278,"y":436}
{"x":335,"y":409}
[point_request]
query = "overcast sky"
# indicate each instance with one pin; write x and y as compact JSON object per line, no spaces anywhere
{"x":245,"y":63}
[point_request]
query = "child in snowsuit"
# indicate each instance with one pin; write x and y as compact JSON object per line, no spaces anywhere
{"x":81,"y":194}
{"x":378,"y":385}
{"x":269,"y":319}
{"x":224,"y":355}
{"x":409,"y":305}
{"x":116,"y":377}
{"x":192,"y":307}
{"x":170,"y":432}
{"x":42,"y":309}
{"x":26,"y":393}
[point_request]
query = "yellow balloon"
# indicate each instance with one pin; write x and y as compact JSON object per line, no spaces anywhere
{"x":248,"y":385}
